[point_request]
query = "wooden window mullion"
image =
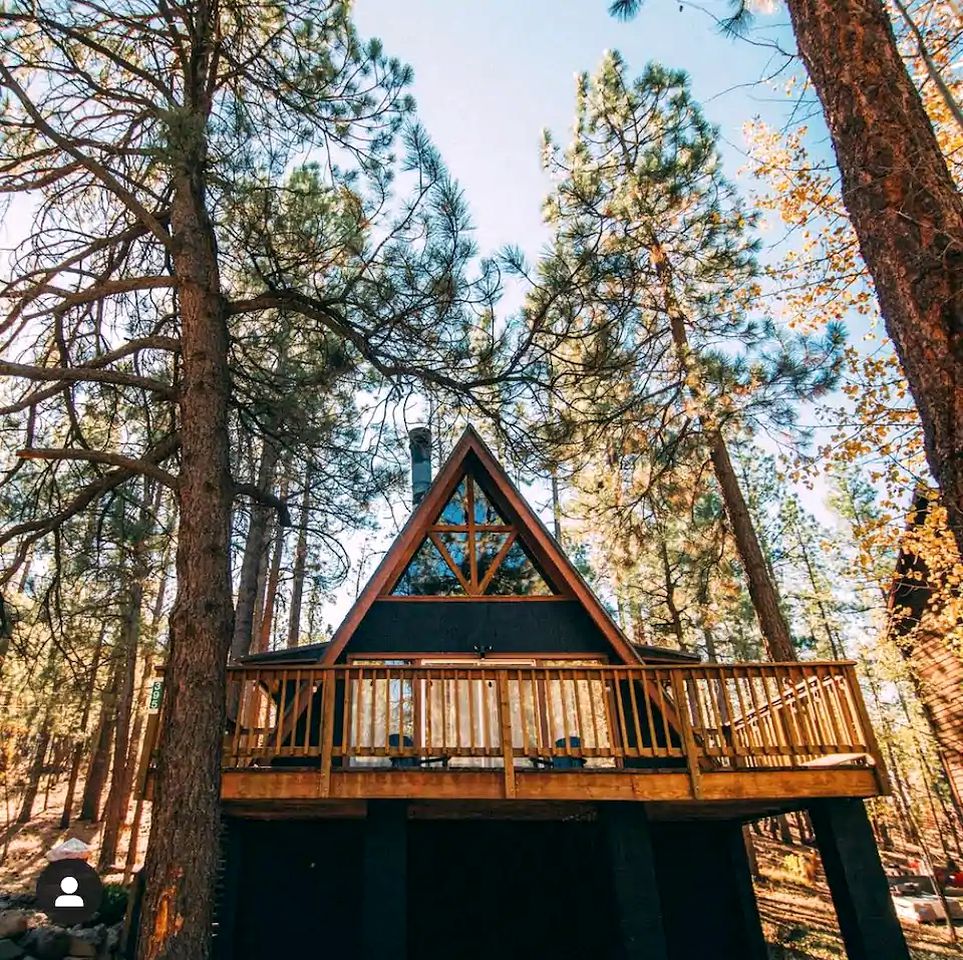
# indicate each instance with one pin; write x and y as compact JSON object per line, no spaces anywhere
{"x":447,"y":557}
{"x":496,"y":561}
{"x":472,"y":557}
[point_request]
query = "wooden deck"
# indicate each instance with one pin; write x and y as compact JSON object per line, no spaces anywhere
{"x":746,"y":736}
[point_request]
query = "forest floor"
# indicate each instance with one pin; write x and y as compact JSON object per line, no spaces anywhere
{"x":799,"y":919}
{"x":23,"y":846}
{"x":797,"y":912}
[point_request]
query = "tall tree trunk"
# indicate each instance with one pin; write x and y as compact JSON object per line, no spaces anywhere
{"x":100,"y":754}
{"x":762,"y":587}
{"x":114,"y":811}
{"x":675,"y":615}
{"x":137,"y":731}
{"x":78,"y":752}
{"x":36,"y":771}
{"x":300,"y":563}
{"x":184,"y":845}
{"x":835,"y":643}
{"x":263,"y":639}
{"x":905,"y":208}
{"x":252,"y":560}
{"x":556,"y":507}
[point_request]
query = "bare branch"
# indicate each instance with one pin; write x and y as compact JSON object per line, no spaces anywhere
{"x":268,"y":499}
{"x":86,"y":374}
{"x":88,"y":163}
{"x":130,"y":464}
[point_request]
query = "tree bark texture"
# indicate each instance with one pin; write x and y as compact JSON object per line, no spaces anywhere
{"x":262,"y":641}
{"x":300,"y":564}
{"x":762,"y":587}
{"x":36,"y":771}
{"x":114,"y":809}
{"x":252,"y":561}
{"x":100,"y":754}
{"x":905,"y":209}
{"x":183,"y":849}
{"x":78,"y":751}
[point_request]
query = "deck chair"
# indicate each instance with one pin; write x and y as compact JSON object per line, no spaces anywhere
{"x":396,"y":740}
{"x":563,"y":762}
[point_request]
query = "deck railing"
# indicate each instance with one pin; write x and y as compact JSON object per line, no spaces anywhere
{"x":700,"y":718}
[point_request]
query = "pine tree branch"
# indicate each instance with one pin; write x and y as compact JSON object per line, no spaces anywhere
{"x":100,"y":172}
{"x":268,"y":499}
{"x":131,"y":347}
{"x":62,"y":375}
{"x":109,"y":288}
{"x":130,"y":464}
{"x":34,"y":530}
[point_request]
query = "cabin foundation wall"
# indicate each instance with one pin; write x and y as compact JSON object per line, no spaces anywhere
{"x":628,"y":851}
{"x":709,"y":901}
{"x":384,"y":882}
{"x":613,"y":886}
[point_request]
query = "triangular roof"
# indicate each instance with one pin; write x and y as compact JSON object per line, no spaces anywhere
{"x":471,"y":455}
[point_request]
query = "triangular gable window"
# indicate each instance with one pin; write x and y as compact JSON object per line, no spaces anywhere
{"x":471,"y":550}
{"x":429,"y":575}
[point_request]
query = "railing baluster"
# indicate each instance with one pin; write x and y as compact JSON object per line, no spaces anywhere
{"x":647,"y":684}
{"x":340,"y":748}
{"x":579,"y":722}
{"x":458,"y":743}
{"x":620,"y":713}
{"x":235,"y":694}
{"x":680,"y":706}
{"x":312,"y":687}
{"x":505,"y":726}
{"x":607,"y":693}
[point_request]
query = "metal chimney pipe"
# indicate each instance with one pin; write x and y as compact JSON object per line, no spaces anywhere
{"x":419,"y":444}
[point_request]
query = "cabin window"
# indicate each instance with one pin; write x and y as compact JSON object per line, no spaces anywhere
{"x":471,"y":550}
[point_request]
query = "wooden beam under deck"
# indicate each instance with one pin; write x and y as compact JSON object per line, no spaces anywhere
{"x":765,"y":788}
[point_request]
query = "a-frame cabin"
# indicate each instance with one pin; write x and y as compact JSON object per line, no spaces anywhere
{"x":480,"y":764}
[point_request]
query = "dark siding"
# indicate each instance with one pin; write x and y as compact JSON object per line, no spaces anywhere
{"x":439,"y":626}
{"x":299,"y":890}
{"x":508,"y":890}
{"x":704,"y":864}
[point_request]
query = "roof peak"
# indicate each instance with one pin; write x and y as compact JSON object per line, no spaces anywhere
{"x":471,"y":454}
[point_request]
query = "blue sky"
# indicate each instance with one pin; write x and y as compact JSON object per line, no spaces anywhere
{"x":490,"y":75}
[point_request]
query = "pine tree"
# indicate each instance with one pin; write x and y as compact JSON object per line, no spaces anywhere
{"x":903,"y":203}
{"x":656,"y":253}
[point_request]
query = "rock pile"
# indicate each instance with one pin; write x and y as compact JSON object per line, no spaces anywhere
{"x":28,"y":935}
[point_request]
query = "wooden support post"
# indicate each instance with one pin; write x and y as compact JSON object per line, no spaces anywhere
{"x":708,"y":902}
{"x":688,"y":739}
{"x":384,"y":908}
{"x":328,"y":693}
{"x":742,"y":894}
{"x":505,"y":726}
{"x":625,"y":830}
{"x":864,"y":907}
